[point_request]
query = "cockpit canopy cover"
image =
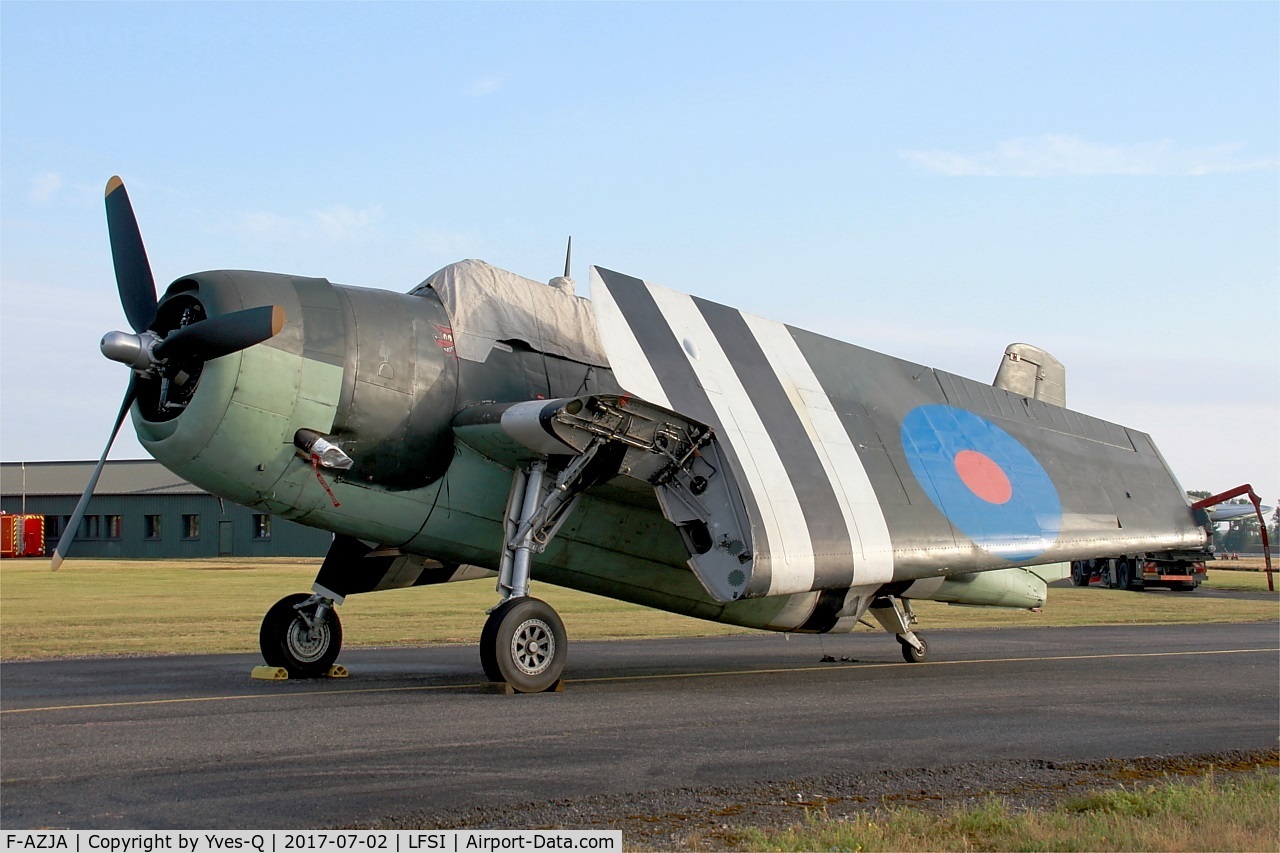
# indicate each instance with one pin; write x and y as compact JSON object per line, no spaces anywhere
{"x":487,"y":304}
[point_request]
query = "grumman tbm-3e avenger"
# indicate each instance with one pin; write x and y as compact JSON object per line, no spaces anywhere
{"x":645,"y":445}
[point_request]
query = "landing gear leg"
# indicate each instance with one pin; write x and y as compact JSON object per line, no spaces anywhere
{"x":895,"y":616}
{"x":524,"y":642}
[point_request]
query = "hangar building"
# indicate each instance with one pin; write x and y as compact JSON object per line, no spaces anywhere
{"x":141,"y":510}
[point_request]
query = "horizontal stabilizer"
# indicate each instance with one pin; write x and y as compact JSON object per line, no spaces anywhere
{"x":1031,"y":372}
{"x":1228,"y":512}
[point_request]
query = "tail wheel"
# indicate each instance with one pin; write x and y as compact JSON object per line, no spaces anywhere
{"x":524,"y":644}
{"x":287,"y":639}
{"x":911,"y":654}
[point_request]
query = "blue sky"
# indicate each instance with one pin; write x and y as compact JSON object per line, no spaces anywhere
{"x":929,"y":180}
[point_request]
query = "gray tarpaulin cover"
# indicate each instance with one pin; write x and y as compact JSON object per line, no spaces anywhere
{"x":487,"y":304}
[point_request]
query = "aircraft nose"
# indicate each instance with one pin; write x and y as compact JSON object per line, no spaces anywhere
{"x":227,"y":423}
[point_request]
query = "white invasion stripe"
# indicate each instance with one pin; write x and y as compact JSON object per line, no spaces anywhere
{"x":863,"y":515}
{"x":630,"y":365}
{"x":786,"y":530}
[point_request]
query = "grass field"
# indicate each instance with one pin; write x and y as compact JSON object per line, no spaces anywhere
{"x":113,"y":607}
{"x":1241,"y":574}
{"x":1207,"y":814}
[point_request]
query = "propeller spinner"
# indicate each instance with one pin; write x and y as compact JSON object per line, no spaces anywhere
{"x":148,"y":351}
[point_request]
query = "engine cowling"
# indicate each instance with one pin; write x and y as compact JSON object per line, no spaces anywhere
{"x":370,"y":369}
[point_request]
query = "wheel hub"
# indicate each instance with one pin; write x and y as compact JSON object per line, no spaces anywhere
{"x":533,"y":646}
{"x":307,"y":644}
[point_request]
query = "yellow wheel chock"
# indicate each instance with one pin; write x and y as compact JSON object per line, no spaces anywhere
{"x":279,"y":673}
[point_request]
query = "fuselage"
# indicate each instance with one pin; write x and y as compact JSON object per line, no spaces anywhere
{"x":385,"y":373}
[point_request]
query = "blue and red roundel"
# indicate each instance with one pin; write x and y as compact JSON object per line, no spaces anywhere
{"x":983,"y":480}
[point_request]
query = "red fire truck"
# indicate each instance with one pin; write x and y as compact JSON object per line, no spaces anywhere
{"x":21,"y":535}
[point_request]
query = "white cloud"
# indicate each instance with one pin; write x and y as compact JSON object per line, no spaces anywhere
{"x":483,"y":86}
{"x":1058,"y":154}
{"x":341,"y":222}
{"x":445,"y":243}
{"x":44,"y":186}
{"x":267,"y":226}
{"x":337,"y":222}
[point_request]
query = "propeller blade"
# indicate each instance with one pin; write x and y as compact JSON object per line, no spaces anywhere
{"x":64,"y":543}
{"x":133,"y":272}
{"x":222,"y":335}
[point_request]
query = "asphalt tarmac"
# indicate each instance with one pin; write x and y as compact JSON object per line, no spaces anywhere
{"x":194,"y":743}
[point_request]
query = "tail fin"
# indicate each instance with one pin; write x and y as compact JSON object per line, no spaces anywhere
{"x":1032,"y":372}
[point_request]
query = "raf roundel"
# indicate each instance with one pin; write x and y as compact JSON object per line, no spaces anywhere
{"x":983,"y":480}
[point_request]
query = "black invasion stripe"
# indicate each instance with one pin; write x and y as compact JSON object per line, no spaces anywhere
{"x":670,"y":364}
{"x":658,"y":342}
{"x":833,"y":552}
{"x":826,"y":613}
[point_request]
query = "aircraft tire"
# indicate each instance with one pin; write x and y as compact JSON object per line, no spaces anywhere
{"x":524,"y":644}
{"x":286,"y":641}
{"x":913,"y":655}
{"x":1079,"y":574}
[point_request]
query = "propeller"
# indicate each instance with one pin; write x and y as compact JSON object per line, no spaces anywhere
{"x":221,"y":335}
{"x":73,"y":524}
{"x":148,"y":351}
{"x":133,"y":272}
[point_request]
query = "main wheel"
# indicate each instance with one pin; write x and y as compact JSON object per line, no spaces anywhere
{"x":1079,"y":574}
{"x":911,"y":654}
{"x":288,"y":641}
{"x":524,"y":644}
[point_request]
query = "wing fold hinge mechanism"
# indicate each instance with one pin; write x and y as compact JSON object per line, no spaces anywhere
{"x":561,"y":448}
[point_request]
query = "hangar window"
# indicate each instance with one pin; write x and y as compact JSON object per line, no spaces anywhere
{"x":191,"y":526}
{"x":90,"y":527}
{"x":261,"y":526}
{"x":111,"y":527}
{"x":151,"y":526}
